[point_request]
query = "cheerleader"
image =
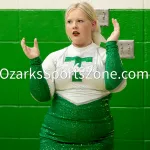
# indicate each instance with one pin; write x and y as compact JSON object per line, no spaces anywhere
{"x":79,"y":80}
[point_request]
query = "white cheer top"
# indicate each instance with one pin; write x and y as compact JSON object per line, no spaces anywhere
{"x":76,"y":74}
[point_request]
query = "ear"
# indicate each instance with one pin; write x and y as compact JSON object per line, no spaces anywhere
{"x":94,"y":25}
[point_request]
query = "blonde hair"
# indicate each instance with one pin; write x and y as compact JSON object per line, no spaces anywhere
{"x":91,"y":14}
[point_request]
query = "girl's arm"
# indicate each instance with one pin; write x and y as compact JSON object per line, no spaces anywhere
{"x":114,"y":80}
{"x":38,"y":85}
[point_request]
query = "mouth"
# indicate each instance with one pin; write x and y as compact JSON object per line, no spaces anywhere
{"x":75,"y":33}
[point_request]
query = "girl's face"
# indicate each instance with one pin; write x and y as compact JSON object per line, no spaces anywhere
{"x":79,"y":28}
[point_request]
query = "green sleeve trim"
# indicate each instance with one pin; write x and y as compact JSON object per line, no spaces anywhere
{"x":35,"y":61}
{"x":113,"y":66}
{"x":38,"y":85}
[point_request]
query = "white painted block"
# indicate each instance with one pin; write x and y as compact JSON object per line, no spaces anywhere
{"x":97,"y":4}
{"x":146,"y":4}
{"x":118,"y":4}
{"x":46,"y":4}
{"x":63,"y":4}
{"x":9,"y":4}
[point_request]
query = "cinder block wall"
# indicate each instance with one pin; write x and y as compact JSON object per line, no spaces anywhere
{"x":21,"y":116}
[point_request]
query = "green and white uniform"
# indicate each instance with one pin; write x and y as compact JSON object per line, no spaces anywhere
{"x":73,"y":78}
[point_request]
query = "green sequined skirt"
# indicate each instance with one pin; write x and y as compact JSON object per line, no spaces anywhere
{"x":84,"y":127}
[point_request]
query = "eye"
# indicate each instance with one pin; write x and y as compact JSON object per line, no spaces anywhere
{"x":80,"y":21}
{"x":68,"y":21}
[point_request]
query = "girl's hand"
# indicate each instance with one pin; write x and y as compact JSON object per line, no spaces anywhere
{"x":116,"y":33}
{"x":30,"y":52}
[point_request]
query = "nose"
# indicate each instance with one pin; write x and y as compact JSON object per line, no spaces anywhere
{"x":74,"y":26}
